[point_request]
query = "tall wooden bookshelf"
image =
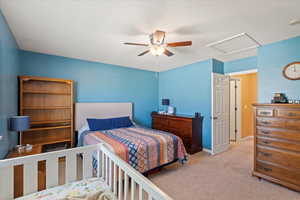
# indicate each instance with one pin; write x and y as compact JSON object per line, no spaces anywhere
{"x":49,"y":103}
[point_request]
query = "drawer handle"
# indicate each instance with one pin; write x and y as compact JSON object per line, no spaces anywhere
{"x":292,"y":114}
{"x":265,"y":132}
{"x":266,"y":142}
{"x":265,"y":122}
{"x":265,"y":113}
{"x":266,"y":154}
{"x":267,"y":169}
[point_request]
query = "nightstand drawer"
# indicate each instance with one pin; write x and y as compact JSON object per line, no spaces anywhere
{"x":278,"y":143}
{"x":279,"y":133}
{"x":281,"y":157}
{"x":291,"y":176}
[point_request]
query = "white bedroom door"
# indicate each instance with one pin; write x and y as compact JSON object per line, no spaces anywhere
{"x":220,"y":113}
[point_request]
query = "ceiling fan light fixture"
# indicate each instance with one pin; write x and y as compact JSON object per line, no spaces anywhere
{"x":157,"y":50}
{"x":157,"y":45}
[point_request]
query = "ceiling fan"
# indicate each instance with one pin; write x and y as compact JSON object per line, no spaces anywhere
{"x":157,"y":45}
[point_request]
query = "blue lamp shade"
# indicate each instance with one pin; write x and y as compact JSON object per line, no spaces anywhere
{"x":165,"y":102}
{"x":19,"y":123}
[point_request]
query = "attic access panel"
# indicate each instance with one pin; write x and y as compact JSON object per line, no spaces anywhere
{"x":235,"y":44}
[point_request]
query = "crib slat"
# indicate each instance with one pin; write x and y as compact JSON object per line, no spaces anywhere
{"x":140,"y":192}
{"x":30,"y":177}
{"x":132,"y":189}
{"x":71,"y":168}
{"x":126,"y":186}
{"x":98,"y":164}
{"x":106,"y":170}
{"x":115,"y":179}
{"x":51,"y":172}
{"x":102,"y":165}
{"x":87,"y":165}
{"x":6,"y":182}
{"x":110,"y":175}
{"x":120,"y":183}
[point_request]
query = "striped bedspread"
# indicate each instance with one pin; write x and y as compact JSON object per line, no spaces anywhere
{"x":142,"y":148}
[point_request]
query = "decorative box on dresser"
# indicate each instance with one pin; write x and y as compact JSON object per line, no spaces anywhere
{"x":277,"y":143}
{"x":188,"y":128}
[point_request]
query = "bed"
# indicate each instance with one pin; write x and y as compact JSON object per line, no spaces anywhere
{"x":143,"y":148}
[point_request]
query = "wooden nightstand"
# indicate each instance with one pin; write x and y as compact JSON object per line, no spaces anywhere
{"x":18,"y":170}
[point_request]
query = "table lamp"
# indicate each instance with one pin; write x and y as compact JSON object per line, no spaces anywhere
{"x":19,"y":123}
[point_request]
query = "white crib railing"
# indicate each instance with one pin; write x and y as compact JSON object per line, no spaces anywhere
{"x":124,"y":181}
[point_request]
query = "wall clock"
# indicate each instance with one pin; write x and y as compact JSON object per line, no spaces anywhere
{"x":292,"y":71}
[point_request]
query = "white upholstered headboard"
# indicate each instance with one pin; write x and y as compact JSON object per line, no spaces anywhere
{"x":100,"y":111}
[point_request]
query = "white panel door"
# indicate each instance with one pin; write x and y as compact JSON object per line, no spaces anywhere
{"x":220,"y":112}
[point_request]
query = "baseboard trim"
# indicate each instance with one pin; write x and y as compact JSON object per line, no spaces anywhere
{"x":207,"y":150}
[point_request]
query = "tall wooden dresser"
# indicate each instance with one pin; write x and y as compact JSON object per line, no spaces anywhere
{"x":189,"y":129}
{"x":277,"y":143}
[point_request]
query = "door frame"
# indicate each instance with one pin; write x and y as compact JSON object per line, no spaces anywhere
{"x":250,"y":71}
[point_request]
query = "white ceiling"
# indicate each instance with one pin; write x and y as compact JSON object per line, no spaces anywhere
{"x":94,"y":29}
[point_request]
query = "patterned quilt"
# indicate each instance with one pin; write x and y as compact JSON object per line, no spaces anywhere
{"x":142,"y":148}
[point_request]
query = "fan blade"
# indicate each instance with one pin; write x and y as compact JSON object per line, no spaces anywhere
{"x":143,"y":53}
{"x":168,"y":53}
{"x":138,"y":44}
{"x":179,"y":44}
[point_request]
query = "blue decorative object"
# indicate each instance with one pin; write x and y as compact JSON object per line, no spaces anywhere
{"x":165,"y":102}
{"x":19,"y":123}
{"x":107,"y":124}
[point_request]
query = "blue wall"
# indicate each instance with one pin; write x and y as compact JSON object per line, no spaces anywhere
{"x":189,"y":90}
{"x":98,"y":82}
{"x":271,"y":60}
{"x":241,"y":65}
{"x":9,"y":69}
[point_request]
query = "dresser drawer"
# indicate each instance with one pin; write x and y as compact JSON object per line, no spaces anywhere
{"x":181,"y":128}
{"x":160,"y":121}
{"x":281,"y":157}
{"x":160,"y":127}
{"x":281,"y":173}
{"x":277,"y":122}
{"x":293,"y":114}
{"x":278,"y":143}
{"x":265,"y":112}
{"x":279,"y":133}
{"x":180,"y":124}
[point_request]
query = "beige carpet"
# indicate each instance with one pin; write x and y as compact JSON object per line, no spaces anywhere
{"x":224,"y":176}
